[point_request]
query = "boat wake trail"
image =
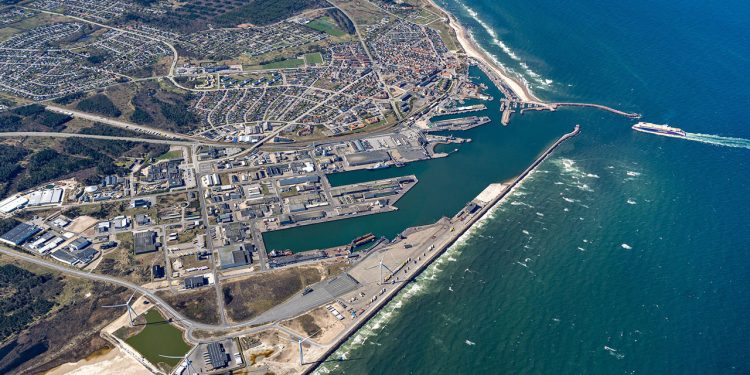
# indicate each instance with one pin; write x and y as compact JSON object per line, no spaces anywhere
{"x":719,"y":140}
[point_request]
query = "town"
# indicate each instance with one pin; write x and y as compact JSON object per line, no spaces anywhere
{"x":185,"y":132}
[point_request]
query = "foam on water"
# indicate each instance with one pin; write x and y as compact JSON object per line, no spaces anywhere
{"x":717,"y":140}
{"x":421,"y":284}
{"x":541,"y":82}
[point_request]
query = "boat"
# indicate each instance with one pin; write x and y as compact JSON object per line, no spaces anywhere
{"x":367,"y":238}
{"x":379,"y":165}
{"x":664,"y":130}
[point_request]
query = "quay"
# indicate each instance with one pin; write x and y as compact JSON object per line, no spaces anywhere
{"x":458,"y":225}
{"x":463,"y":109}
{"x":464,"y":123}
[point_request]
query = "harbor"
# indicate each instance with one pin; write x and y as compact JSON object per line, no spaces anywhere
{"x":415,"y":250}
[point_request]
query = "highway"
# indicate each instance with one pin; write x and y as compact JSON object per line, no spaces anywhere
{"x":94,"y":136}
{"x":179,"y":318}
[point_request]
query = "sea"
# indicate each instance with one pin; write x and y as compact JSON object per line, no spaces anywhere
{"x":624,"y":252}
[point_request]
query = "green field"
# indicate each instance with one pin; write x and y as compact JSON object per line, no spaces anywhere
{"x":327,"y":25}
{"x":314,"y":58}
{"x":159,"y":338}
{"x":177,"y":154}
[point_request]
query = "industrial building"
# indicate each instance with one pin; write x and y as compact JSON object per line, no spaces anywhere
{"x":45,"y":197}
{"x":19,"y":234}
{"x":79,"y":244}
{"x":72,"y":257}
{"x":299,"y":180}
{"x":216,"y":355}
{"x":11,"y":204}
{"x":144,"y":242}
{"x":195,"y":282}
{"x":367,"y":157}
{"x":237,"y":258}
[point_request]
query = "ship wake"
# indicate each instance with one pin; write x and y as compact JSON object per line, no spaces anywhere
{"x":717,"y":140}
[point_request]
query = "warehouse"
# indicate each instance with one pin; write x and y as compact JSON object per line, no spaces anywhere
{"x":20,"y":234}
{"x":45,"y":197}
{"x":242,"y":256}
{"x":13,"y":203}
{"x":369,"y":157}
{"x":298,"y":180}
{"x":217,"y":355}
{"x":144,"y":242}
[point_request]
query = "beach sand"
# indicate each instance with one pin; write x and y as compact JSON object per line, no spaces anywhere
{"x":476,"y":52}
{"x":114,"y":361}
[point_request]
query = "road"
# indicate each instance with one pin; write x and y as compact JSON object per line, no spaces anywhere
{"x":119,"y":123}
{"x":178,"y":318}
{"x":93,"y":136}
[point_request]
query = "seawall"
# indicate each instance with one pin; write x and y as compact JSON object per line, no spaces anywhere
{"x":439,"y":251}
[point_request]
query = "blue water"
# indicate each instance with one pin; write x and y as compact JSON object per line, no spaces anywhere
{"x":624,"y":252}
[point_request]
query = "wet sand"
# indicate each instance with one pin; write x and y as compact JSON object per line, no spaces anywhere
{"x":476,"y":52}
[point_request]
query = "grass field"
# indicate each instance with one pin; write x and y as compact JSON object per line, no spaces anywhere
{"x":159,"y":338}
{"x":326,"y":25}
{"x":314,"y":58}
{"x":176,"y":154}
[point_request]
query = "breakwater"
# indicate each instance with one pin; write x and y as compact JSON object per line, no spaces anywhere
{"x":438,"y":251}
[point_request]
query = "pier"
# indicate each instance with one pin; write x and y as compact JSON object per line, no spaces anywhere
{"x":464,"y":123}
{"x":444,"y":238}
{"x":508,"y":107}
{"x":597,"y":106}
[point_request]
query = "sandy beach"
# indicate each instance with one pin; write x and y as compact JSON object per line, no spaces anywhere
{"x":114,"y":361}
{"x":474,"y":51}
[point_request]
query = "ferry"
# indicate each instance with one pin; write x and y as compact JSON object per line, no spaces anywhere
{"x":664,"y":130}
{"x":379,"y":165}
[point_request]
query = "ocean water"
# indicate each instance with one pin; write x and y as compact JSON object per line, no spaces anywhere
{"x":624,"y":252}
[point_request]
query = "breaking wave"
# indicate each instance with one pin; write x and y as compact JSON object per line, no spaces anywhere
{"x":545,"y":83}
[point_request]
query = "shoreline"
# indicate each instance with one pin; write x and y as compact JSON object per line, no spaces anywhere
{"x":391,"y":294}
{"x":473,"y":50}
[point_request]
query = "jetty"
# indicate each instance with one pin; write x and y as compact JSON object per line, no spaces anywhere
{"x":508,"y":107}
{"x":440,"y":237}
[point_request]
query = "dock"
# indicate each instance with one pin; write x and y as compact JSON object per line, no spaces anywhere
{"x":464,"y":123}
{"x":447,"y":232}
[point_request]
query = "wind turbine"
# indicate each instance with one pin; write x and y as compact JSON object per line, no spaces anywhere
{"x":300,"y":340}
{"x":131,"y":313}
{"x":381,"y":265}
{"x":188,"y":361}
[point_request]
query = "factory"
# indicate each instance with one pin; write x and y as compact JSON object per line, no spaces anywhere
{"x":239,"y":257}
{"x":13,"y":203}
{"x":367,"y":157}
{"x":19,"y":234}
{"x":45,"y":197}
{"x":144,"y":242}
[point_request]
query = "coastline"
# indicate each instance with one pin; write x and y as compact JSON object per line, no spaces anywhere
{"x":478,"y":53}
{"x":391,"y":294}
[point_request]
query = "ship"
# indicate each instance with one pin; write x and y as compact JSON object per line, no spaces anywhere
{"x":359,"y":241}
{"x":379,"y":165}
{"x":664,"y":130}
